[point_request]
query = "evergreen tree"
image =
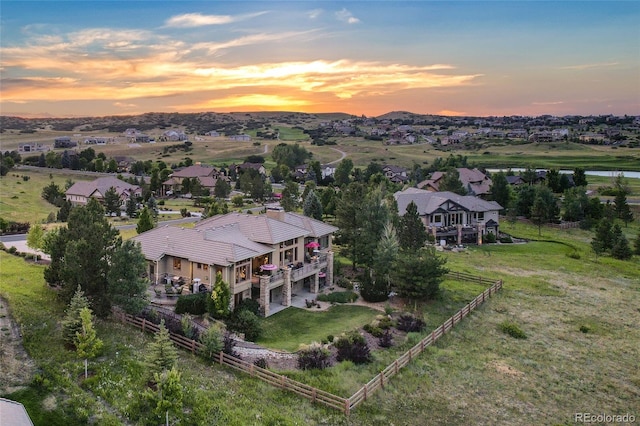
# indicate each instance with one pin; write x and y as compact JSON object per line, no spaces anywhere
{"x":349,"y":219}
{"x":575,"y":204}
{"x":603,"y":238}
{"x":375,"y":215}
{"x":328,"y":199}
{"x":80,"y":255}
{"x":87,"y":343}
{"x":579,"y":177}
{"x":312,"y":206}
{"x":168,"y":396}
{"x":220,"y":298}
{"x":161,"y":354}
{"x":412,"y":234}
{"x":145,"y":222}
{"x":539,"y":213}
{"x":637,"y":244}
{"x":385,"y":259}
{"x":222,"y":188}
{"x":290,"y":194}
{"x":132,"y":207}
{"x":112,"y":202}
{"x":500,"y":190}
{"x":553,"y":180}
{"x":622,"y":209}
{"x":342,"y":175}
{"x":155,"y":184}
{"x":621,"y":249}
{"x":127,"y":285}
{"x":451,"y":182}
{"x":418,"y":274}
{"x":72,"y":322}
{"x":63,"y":213}
{"x":524,"y":200}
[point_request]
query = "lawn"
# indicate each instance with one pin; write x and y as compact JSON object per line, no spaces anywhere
{"x":580,"y":317}
{"x":290,"y":328}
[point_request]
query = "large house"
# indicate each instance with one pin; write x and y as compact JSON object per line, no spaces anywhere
{"x":473,"y":180}
{"x":80,"y":192}
{"x":452,"y":217}
{"x":207,"y":176}
{"x":268,"y":257}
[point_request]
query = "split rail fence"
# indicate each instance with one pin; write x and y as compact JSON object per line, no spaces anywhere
{"x":317,"y":395}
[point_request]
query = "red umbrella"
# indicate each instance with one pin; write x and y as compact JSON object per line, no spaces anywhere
{"x":312,"y":244}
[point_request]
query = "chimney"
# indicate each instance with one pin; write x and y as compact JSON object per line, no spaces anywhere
{"x":276,"y":213}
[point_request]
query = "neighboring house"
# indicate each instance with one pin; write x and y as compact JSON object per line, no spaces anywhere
{"x":212,"y":133}
{"x":240,"y":138}
{"x":259,"y":167}
{"x":475,"y":182}
{"x":395,"y":174}
{"x":64,"y":142}
{"x":80,"y":192}
{"x":174,"y":135}
{"x":207,"y":176}
{"x":515,"y":180}
{"x":32,"y":147}
{"x":238,"y":245}
{"x":452,"y":217}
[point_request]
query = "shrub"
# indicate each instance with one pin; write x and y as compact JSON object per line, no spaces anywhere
{"x":161,"y":203}
{"x":386,"y":340}
{"x":250,"y":305}
{"x":490,"y":238}
{"x":373,"y":330}
{"x":315,"y":357}
{"x":512,"y":329}
{"x":330,"y":338}
{"x":345,"y":283}
{"x":353,"y":347}
{"x":195,"y":304}
{"x":245,"y":321}
{"x":574,"y":255}
{"x":338,"y":297}
{"x":506,"y":239}
{"x":229,"y":346}
{"x":409,"y":323}
{"x":188,"y":329}
{"x":261,"y":362}
{"x":388,"y":309}
{"x":585,"y":329}
{"x":212,"y":342}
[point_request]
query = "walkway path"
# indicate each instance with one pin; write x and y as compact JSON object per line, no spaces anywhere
{"x":342,"y":153}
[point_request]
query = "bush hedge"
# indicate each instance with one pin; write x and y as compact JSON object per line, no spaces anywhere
{"x":195,"y":304}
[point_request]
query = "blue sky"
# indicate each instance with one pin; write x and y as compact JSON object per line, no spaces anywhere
{"x":66,"y":58}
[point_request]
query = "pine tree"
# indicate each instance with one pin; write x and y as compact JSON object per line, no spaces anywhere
{"x":127,"y":286}
{"x":145,"y":222}
{"x":72,"y":322}
{"x":132,"y":207}
{"x":168,"y":396}
{"x":451,"y":182}
{"x":412,"y":234}
{"x":501,"y":190}
{"x":88,"y":345}
{"x":312,"y":206}
{"x":161,"y":354}
{"x":418,"y":274}
{"x":620,"y":248}
{"x":112,"y":202}
{"x":622,"y":209}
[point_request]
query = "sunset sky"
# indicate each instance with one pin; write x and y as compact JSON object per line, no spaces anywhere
{"x":65,"y":58}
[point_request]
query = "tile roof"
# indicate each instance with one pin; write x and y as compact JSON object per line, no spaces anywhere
{"x":101,"y":185}
{"x":315,"y":227}
{"x":259,"y":228}
{"x":194,"y":171}
{"x":224,"y":245}
{"x":428,"y":202}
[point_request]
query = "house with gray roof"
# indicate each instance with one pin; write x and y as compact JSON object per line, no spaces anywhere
{"x":475,"y":182}
{"x":206,"y":175}
{"x":452,"y":217}
{"x":80,"y":192}
{"x":296,"y":248}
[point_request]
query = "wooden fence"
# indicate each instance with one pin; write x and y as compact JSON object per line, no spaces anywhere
{"x":392,"y":369}
{"x":317,"y":395}
{"x":274,"y":379}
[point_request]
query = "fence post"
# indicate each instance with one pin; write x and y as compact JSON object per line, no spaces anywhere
{"x":395,"y":364}
{"x":347,"y":405}
{"x":282,"y":379}
{"x":193,"y":346}
{"x":144,"y":321}
{"x":365,"y":391}
{"x":221,"y":357}
{"x":382,"y":379}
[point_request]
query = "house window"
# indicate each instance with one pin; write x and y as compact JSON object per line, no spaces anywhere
{"x":437,"y":218}
{"x":242,"y":272}
{"x":480,"y":215}
{"x":177,"y":263}
{"x":205,"y":266}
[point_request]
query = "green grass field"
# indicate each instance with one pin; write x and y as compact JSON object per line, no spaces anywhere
{"x":580,"y":354}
